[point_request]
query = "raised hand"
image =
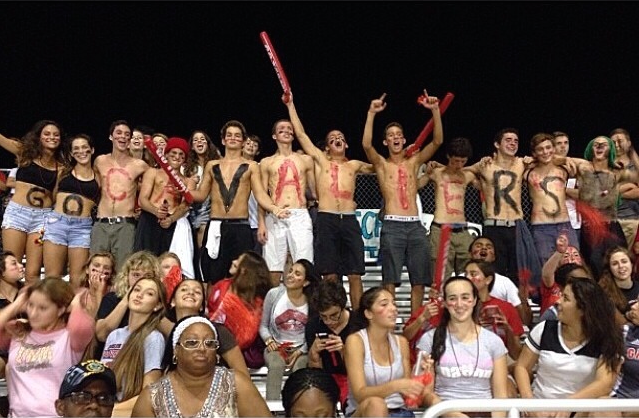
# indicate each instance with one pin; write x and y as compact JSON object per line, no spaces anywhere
{"x":377,"y":105}
{"x":429,"y":102}
{"x":561,"y":245}
{"x":287,"y":97}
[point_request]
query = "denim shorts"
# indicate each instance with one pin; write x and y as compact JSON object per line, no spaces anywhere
{"x":24,"y":218}
{"x":70,"y":231}
{"x":200,"y":213}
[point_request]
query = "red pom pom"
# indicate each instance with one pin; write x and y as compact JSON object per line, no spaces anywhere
{"x":172,"y":280}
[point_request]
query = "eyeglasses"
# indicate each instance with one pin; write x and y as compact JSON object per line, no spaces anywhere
{"x":332,"y":318}
{"x":210,"y":344}
{"x":85,"y":398}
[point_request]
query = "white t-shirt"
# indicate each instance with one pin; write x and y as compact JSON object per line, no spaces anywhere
{"x":504,"y":289}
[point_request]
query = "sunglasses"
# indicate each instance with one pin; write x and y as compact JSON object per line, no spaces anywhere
{"x":210,"y":344}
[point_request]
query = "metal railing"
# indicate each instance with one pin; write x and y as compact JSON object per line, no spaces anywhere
{"x":515,"y":405}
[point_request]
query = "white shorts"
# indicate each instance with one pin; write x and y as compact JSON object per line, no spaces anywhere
{"x":294,"y":234}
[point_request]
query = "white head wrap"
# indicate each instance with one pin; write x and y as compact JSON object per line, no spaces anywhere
{"x":188,"y":322}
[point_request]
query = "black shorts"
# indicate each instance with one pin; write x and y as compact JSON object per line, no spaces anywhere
{"x":338,"y":245}
{"x":150,"y":236}
{"x":236,"y":238}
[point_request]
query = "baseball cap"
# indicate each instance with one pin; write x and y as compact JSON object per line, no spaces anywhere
{"x":78,"y":376}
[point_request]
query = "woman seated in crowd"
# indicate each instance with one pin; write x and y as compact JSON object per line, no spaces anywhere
{"x":327,"y":332}
{"x":378,"y":361}
{"x":167,"y":261}
{"x":627,"y":385}
{"x":310,"y":392}
{"x":576,"y":356}
{"x":286,"y":312}
{"x":98,"y":270}
{"x":187,"y":299}
{"x":561,"y":276}
{"x":618,"y":281}
{"x":67,"y":229}
{"x":43,"y":347}
{"x":113,"y":309}
{"x":496,"y":315}
{"x":134,"y":352}
{"x":11,"y":275}
{"x":469,"y":360}
{"x":194,"y":384}
{"x":564,"y":254}
{"x":237,"y":303}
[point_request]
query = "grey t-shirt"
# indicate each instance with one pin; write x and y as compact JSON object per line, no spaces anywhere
{"x":464,"y":370}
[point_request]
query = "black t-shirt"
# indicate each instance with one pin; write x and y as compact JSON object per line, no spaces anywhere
{"x":107,"y":305}
{"x":332,"y":362}
{"x":632,"y":293}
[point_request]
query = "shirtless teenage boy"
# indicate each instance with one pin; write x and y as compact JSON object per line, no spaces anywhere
{"x":229,"y":182}
{"x":161,"y":202}
{"x":501,"y":181}
{"x":403,"y":238}
{"x":547,"y":189}
{"x":450,"y":182}
{"x":117,"y":173}
{"x":598,"y":179}
{"x":338,"y":244}
{"x":285,"y":175}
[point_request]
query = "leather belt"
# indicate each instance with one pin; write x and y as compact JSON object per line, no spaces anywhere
{"x":111,"y":220}
{"x":499,"y":222}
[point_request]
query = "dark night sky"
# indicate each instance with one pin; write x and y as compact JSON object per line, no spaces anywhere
{"x":181,"y":66}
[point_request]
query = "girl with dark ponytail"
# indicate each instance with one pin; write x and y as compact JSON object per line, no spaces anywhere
{"x":469,"y":360}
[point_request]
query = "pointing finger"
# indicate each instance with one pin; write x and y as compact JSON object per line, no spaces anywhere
{"x":382,"y":97}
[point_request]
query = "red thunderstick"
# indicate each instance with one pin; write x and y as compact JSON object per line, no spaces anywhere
{"x":277,"y":65}
{"x":413,"y":148}
{"x":164,"y":164}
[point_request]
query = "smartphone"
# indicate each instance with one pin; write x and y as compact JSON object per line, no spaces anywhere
{"x":322,"y":335}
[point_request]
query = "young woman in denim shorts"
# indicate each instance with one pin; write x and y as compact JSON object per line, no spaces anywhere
{"x":40,"y":160}
{"x":67,"y":229}
{"x":202,"y":151}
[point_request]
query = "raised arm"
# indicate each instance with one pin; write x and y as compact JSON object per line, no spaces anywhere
{"x":432,"y":103}
{"x":204,"y":189}
{"x":550,"y":266}
{"x":10,"y":145}
{"x":300,"y":133}
{"x":377,"y":105}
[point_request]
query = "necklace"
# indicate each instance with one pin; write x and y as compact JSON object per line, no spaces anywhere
{"x":51,"y":182}
{"x":604,"y":191}
{"x":452,"y":346}
{"x":390,"y":360}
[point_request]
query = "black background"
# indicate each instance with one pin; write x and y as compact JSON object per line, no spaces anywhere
{"x":178,"y":66}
